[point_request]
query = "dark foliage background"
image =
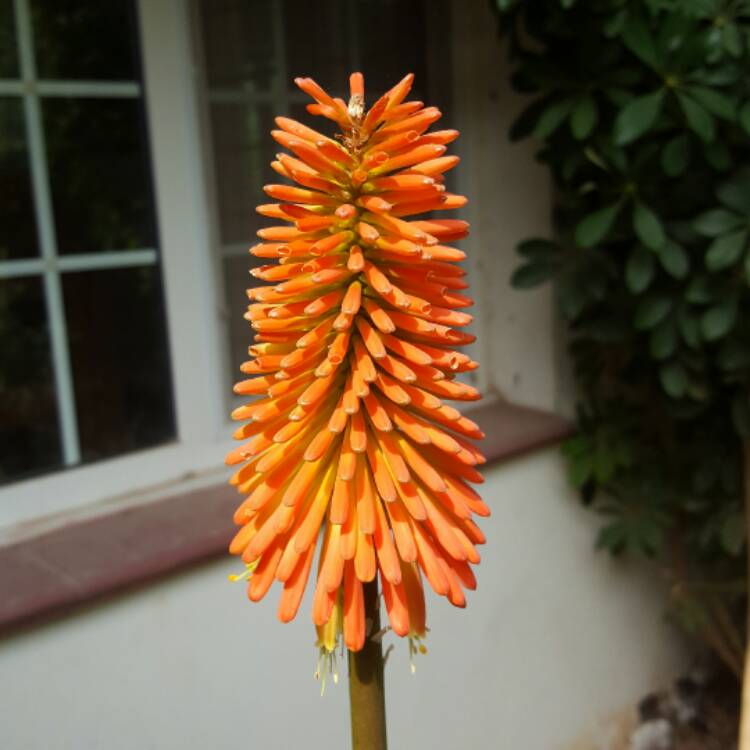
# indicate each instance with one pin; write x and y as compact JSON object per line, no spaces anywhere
{"x":642,"y":112}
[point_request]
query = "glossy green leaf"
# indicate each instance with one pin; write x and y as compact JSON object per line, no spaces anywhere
{"x":584,"y":118}
{"x":663,"y":340}
{"x":716,"y":221}
{"x":640,"y":42}
{"x":595,"y":226}
{"x":700,"y":290}
{"x":698,"y":119}
{"x":552,"y":118}
{"x":651,"y":311}
{"x":674,"y":379}
{"x":714,"y":101}
{"x":723,"y":76}
{"x":735,"y":194}
{"x":675,"y":156}
{"x":648,"y":227}
{"x":637,"y":117}
{"x":726,"y":250}
{"x":581,"y":469}
{"x":718,"y":320}
{"x":639,"y":271}
{"x":532,"y":274}
{"x":689,"y":330}
{"x":674,"y":259}
{"x":730,"y":36}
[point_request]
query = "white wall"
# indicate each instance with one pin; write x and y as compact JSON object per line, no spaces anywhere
{"x":510,"y":199}
{"x":554,"y":638}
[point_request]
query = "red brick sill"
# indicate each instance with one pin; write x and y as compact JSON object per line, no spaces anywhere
{"x":72,"y":565}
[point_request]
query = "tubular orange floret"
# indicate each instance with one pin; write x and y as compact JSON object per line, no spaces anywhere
{"x":349,"y":438}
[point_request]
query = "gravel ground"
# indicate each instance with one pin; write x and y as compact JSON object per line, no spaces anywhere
{"x":698,"y":712}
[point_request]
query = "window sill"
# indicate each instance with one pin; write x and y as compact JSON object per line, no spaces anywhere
{"x":56,"y":571}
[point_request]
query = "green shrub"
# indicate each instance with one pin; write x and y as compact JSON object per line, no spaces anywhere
{"x":642,"y":110}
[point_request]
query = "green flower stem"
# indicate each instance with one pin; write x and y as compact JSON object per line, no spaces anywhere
{"x":366,"y":683}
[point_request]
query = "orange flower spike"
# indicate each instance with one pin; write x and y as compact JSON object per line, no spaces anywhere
{"x":348,"y":439}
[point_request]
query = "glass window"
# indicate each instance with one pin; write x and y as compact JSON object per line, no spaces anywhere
{"x":119,"y":361}
{"x":18,"y":234}
{"x":29,"y":435}
{"x":242,"y":148}
{"x":86,"y":40}
{"x":252,"y":51}
{"x":84,"y":372}
{"x":8,"y":59}
{"x":99,"y":174}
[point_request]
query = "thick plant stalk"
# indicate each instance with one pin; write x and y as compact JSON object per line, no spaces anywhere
{"x":744,"y":743}
{"x":366,"y":685}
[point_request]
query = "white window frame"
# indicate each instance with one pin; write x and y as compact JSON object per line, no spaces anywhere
{"x":49,"y":265}
{"x":192,"y":302}
{"x":501,"y":211}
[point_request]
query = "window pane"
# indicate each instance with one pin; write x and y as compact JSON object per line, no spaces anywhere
{"x":119,"y":357}
{"x":18,"y":235}
{"x":237,"y":280}
{"x":29,"y":438}
{"x":243,"y":149}
{"x":238,"y":38}
{"x":246,"y":45}
{"x":8,"y":57}
{"x":317,"y":42}
{"x":99,"y":174}
{"x":392,"y":25}
{"x":85,"y":39}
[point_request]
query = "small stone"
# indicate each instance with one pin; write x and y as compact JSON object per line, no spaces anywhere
{"x":652,"y":735}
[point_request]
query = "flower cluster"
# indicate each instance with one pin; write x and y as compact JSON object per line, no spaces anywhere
{"x":348,"y":437}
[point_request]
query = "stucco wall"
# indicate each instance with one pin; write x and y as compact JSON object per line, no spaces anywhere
{"x":555,"y":637}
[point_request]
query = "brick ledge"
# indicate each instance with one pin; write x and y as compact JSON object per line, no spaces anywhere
{"x":56,"y":571}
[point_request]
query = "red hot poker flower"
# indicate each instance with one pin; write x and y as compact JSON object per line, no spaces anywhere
{"x":349,"y":437}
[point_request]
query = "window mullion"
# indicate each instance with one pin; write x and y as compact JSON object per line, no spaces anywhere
{"x":189,"y":276}
{"x":46,"y":232}
{"x":281,"y":97}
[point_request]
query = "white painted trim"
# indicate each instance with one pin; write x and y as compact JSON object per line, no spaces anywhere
{"x":45,"y":223}
{"x":190,"y":279}
{"x":88,"y":89}
{"x":11,"y":88}
{"x":80,"y":492}
{"x":191,"y":300}
{"x":80,"y":262}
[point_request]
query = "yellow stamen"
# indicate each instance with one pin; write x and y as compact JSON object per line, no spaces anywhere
{"x":415,"y":647}
{"x":249,"y":570}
